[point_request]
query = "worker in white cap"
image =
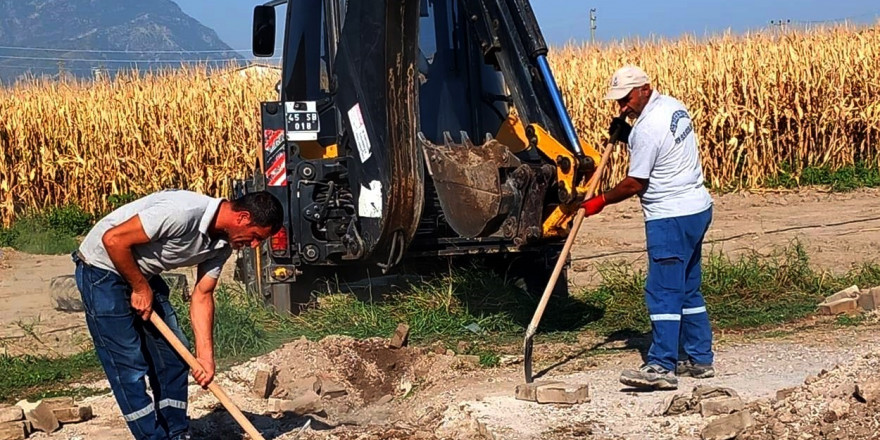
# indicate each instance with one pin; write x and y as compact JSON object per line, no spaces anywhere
{"x":666,"y":173}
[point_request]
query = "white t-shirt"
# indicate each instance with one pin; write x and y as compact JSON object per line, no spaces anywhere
{"x":663,"y":149}
{"x":177,"y":223}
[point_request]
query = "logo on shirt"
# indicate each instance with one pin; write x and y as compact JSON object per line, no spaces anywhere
{"x":673,"y":126}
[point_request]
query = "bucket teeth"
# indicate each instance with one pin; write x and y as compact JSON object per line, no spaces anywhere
{"x":474,"y":197}
{"x":465,"y":140}
{"x":447,"y":139}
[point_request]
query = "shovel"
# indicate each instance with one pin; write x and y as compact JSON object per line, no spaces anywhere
{"x":216,"y":389}
{"x":566,"y":248}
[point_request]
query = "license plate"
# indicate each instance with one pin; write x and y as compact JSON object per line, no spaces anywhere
{"x":303,"y":123}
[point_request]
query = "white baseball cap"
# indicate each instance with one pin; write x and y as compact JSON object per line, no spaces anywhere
{"x":624,"y":80}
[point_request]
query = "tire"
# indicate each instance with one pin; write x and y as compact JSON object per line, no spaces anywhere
{"x":65,"y":294}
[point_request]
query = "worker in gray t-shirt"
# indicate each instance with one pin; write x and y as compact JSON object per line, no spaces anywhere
{"x":666,"y":173}
{"x":117,"y":273}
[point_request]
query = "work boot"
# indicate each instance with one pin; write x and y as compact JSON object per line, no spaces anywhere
{"x":650,"y":377}
{"x":698,"y":371}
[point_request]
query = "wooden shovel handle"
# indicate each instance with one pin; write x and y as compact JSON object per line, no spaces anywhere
{"x":195,"y":365}
{"x":566,"y":248}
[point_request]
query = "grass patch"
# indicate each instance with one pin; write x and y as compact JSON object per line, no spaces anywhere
{"x":743,"y":292}
{"x":52,"y":232}
{"x":27,"y":376}
{"x":243,"y":327}
{"x":76,"y":392}
{"x":847,"y":178}
{"x":849,"y":320}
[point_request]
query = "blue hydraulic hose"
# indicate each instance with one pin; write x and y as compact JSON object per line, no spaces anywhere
{"x":560,"y":107}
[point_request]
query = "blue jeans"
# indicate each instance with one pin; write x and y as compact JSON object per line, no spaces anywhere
{"x":131,"y":350}
{"x":672,"y":290}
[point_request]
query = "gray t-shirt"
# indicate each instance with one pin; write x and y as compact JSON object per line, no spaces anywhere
{"x":176,"y":222}
{"x":663,"y":149}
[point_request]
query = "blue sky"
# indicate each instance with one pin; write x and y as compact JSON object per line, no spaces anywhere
{"x":568,"y":20}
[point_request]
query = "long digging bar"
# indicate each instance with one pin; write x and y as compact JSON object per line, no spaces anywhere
{"x":566,"y":248}
{"x":216,"y":389}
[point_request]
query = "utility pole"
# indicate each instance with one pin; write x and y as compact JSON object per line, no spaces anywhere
{"x":592,"y":25}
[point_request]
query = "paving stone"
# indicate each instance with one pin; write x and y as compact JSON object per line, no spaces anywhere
{"x":720,"y":405}
{"x":74,"y":414}
{"x":328,"y":387}
{"x":850,"y":292}
{"x":566,"y":393}
{"x":400,"y":337}
{"x":727,"y":427}
{"x":264,"y":383}
{"x":308,"y":403}
{"x":40,"y":416}
{"x":869,"y":299}
{"x":59,"y":402}
{"x":13,"y":430}
{"x":837,"y":307}
{"x":11,"y":414}
{"x":528,"y":391}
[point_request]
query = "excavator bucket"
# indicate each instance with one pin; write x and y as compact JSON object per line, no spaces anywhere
{"x":477,"y":186}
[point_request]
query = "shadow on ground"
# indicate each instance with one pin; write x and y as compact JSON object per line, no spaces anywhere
{"x":623,"y":340}
{"x":219,"y":424}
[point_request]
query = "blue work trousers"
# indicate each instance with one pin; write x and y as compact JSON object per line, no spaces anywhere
{"x":133,"y":351}
{"x":672,"y":290}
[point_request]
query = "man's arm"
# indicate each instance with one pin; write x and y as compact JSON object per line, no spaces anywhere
{"x":627,"y":188}
{"x":118,"y":242}
{"x":201,"y":314}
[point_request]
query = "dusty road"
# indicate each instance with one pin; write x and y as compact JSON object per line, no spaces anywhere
{"x":446,"y":401}
{"x":436,"y":396}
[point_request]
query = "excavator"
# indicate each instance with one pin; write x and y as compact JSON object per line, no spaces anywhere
{"x":405,"y":131}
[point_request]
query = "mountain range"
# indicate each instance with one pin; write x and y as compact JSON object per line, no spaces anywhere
{"x":90,"y":37}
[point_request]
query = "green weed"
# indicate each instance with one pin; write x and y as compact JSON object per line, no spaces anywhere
{"x":23,"y":374}
{"x":847,"y":178}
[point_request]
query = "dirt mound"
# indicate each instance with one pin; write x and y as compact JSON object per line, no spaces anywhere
{"x":376,"y":390}
{"x":837,"y":404}
{"x":370,"y":367}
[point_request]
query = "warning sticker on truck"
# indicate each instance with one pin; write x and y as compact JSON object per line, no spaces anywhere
{"x":360,"y":132}
{"x":370,"y":200}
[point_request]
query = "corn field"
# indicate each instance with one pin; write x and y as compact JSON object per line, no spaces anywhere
{"x":76,"y":142}
{"x":758,"y":102}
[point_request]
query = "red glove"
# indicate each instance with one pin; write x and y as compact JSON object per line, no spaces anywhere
{"x":594,"y":205}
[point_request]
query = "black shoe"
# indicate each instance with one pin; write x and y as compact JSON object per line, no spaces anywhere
{"x":650,"y":377}
{"x":698,"y":371}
